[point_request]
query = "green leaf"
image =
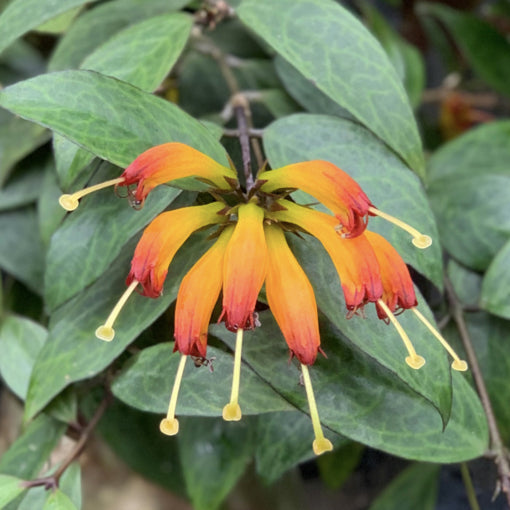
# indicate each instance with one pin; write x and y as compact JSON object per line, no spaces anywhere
{"x":385,"y":179}
{"x":72,"y":352}
{"x":117,"y":121}
{"x":496,"y":285}
{"x":486,"y":49}
{"x":283,"y":441}
{"x":20,"y":342}
{"x":489,"y":336}
{"x":20,"y":16}
{"x":305,"y":92}
{"x":27,"y":455}
{"x":144,"y":53}
{"x":97,"y":25}
{"x":416,"y":487}
{"x":467,"y":284}
{"x":21,"y":250}
{"x":70,"y":484}
{"x":336,"y":466}
{"x":364,"y":401}
{"x":23,"y":187}
{"x":136,"y":439}
{"x":405,"y":58}
{"x":61,"y":23}
{"x":214,"y":455}
{"x":331,"y":47}
{"x":17,"y":139}
{"x":93,"y":236}
{"x":10,"y":489}
{"x":57,"y":500}
{"x":469,"y":190}
{"x":50,"y":214}
{"x":70,"y":160}
{"x":278,"y":102}
{"x":145,"y":384}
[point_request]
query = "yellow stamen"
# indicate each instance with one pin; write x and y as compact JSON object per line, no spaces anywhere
{"x":320,"y":444}
{"x":106,"y":331}
{"x":232,"y":411}
{"x":70,"y":202}
{"x":420,"y":240}
{"x":457,"y":364}
{"x":170,"y":425}
{"x":413,"y":360}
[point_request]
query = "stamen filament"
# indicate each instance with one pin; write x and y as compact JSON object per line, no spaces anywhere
{"x":106,"y":331}
{"x":420,"y":240}
{"x":170,"y":425}
{"x":71,"y":202}
{"x":232,"y":411}
{"x":457,"y":364}
{"x":413,"y":360}
{"x":320,"y":444}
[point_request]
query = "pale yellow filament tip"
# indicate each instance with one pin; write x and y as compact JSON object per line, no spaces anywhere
{"x":232,"y":411}
{"x":320,"y":444}
{"x":413,"y":360}
{"x":458,"y":364}
{"x":420,"y":240}
{"x":105,"y":331}
{"x":170,"y":425}
{"x":71,"y":202}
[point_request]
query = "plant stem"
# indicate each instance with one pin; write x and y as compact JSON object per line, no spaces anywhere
{"x":468,"y":484}
{"x":52,"y":481}
{"x":497,"y":446}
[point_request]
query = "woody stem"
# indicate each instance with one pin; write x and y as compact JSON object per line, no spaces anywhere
{"x":497,"y":446}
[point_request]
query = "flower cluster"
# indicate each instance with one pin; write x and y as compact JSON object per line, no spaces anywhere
{"x":251,"y":249}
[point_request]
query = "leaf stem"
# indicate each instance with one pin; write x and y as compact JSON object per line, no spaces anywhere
{"x":497,"y":446}
{"x":468,"y":484}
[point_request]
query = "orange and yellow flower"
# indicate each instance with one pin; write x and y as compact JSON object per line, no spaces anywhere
{"x":250,"y":250}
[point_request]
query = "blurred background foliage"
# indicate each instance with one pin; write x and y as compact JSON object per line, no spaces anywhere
{"x":411,"y":97}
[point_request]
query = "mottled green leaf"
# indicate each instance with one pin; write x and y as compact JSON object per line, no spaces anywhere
{"x":467,"y":284}
{"x":57,"y":500}
{"x":496,"y":284}
{"x":278,"y":102}
{"x":486,"y":49}
{"x":61,"y":23}
{"x":331,"y":47}
{"x":70,"y":160}
{"x":93,"y":236}
{"x":214,"y":455}
{"x":416,"y":488}
{"x":17,"y":139}
{"x":20,"y":342}
{"x":10,"y":489}
{"x":152,"y":454}
{"x":50,"y":214}
{"x":366,"y":402}
{"x":405,"y":58}
{"x":20,"y":16}
{"x":385,"y":179}
{"x":72,"y":352}
{"x":109,"y":118}
{"x":144,"y":53}
{"x":30,"y":451}
{"x":21,"y":249}
{"x":145,"y":383}
{"x":469,"y":190}
{"x":283,"y":441}
{"x":97,"y":25}
{"x":305,"y":92}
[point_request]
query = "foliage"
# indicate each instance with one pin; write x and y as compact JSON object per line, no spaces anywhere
{"x":88,"y":86}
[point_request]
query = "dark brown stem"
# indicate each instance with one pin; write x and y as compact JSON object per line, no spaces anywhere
{"x":52,"y":481}
{"x":497,"y":446}
{"x":241,"y":107}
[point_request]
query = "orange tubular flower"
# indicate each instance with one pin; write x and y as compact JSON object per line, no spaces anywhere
{"x":244,"y":268}
{"x":161,"y":240}
{"x":158,"y":165}
{"x":327,"y":183}
{"x":291,"y":298}
{"x":197,"y":296}
{"x":354,"y":258}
